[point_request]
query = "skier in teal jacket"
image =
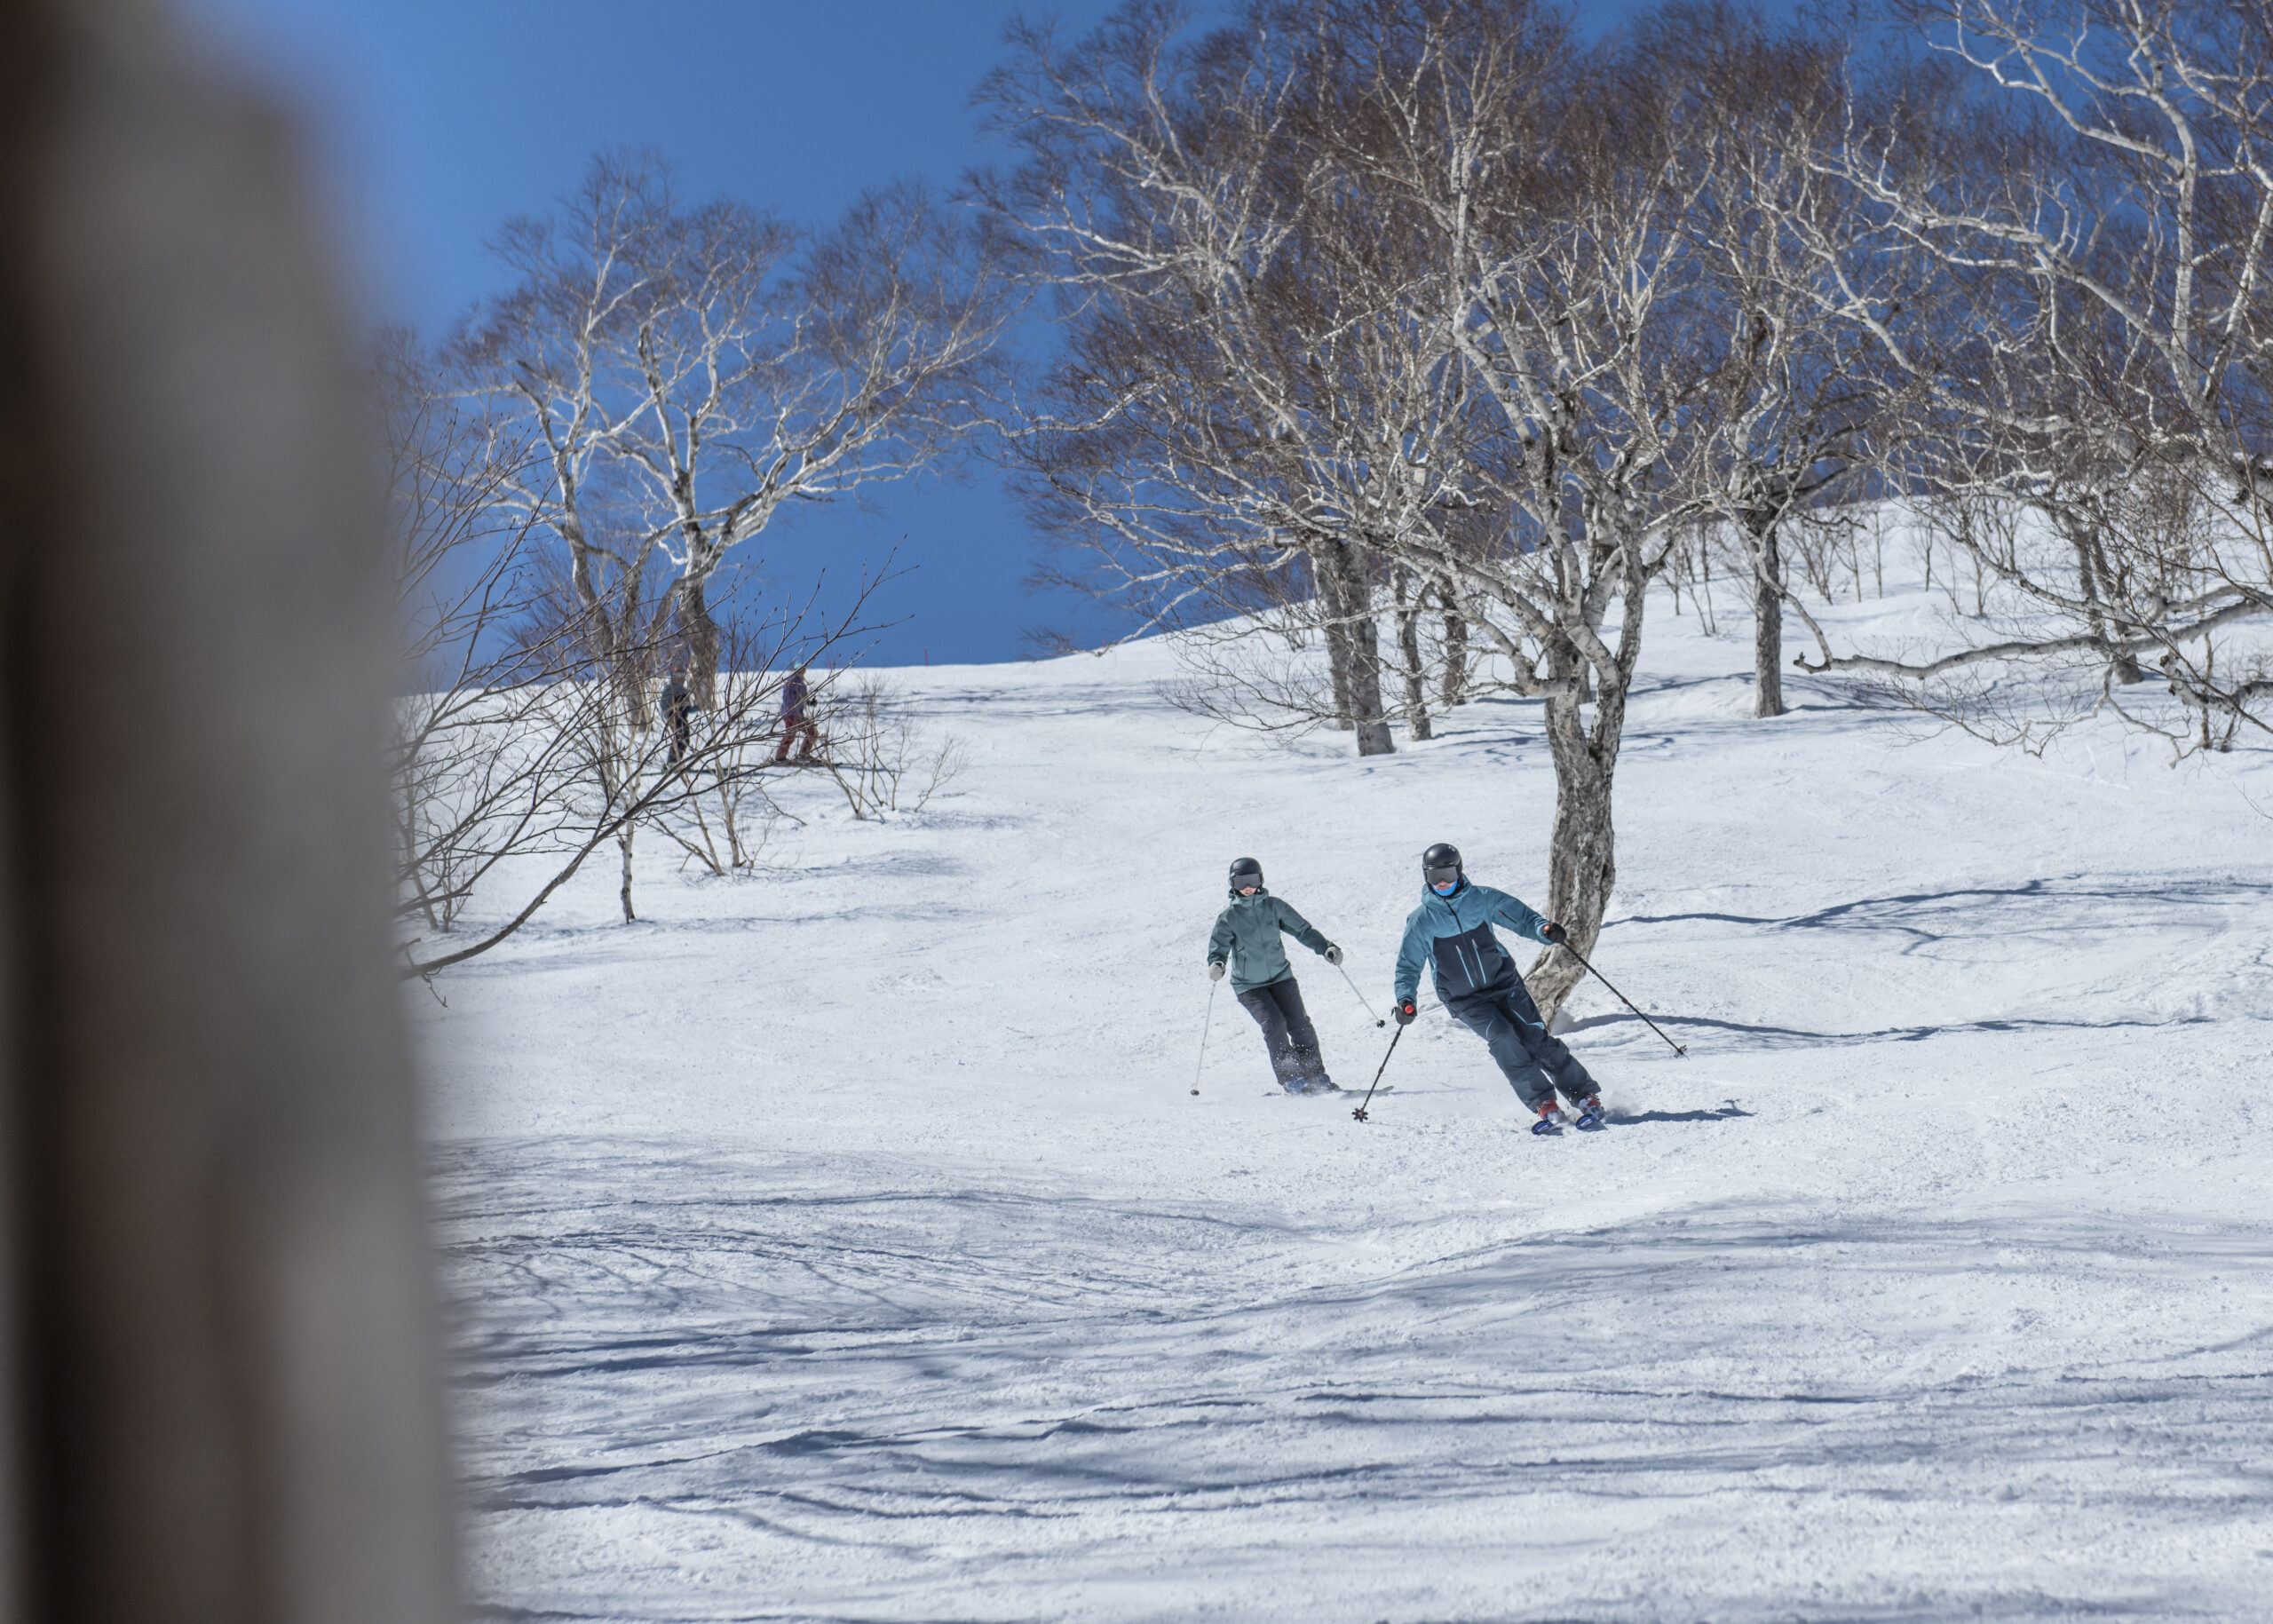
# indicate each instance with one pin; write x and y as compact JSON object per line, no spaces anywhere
{"x":1452,"y":930}
{"x":1247,"y":937}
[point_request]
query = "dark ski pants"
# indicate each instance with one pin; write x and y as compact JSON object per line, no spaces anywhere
{"x":1287,"y":1030}
{"x":1534,"y":1060}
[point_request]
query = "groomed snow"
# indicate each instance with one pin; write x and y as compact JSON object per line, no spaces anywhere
{"x":844,"y":1243}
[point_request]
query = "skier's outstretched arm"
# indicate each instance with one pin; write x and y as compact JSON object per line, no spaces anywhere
{"x":1513,"y":913}
{"x":1301,"y":929}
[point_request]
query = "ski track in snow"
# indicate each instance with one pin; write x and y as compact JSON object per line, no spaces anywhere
{"x":845,"y":1244}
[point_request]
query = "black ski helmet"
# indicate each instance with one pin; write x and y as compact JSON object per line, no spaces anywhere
{"x":1441,"y":862}
{"x":1246,"y":871}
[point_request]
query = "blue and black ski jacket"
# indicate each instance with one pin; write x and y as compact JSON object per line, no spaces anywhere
{"x":1454,"y":934}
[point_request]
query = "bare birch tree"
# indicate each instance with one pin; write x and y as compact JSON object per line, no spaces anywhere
{"x":2097,"y":197}
{"x":1260,"y":389}
{"x":1796,"y":407}
{"x":1418,"y":275}
{"x":555,"y":728}
{"x":703,"y":368}
{"x":514,"y":754}
{"x":473,"y":776}
{"x":1584,"y":322}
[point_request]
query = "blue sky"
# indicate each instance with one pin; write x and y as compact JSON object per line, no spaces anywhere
{"x":436,"y":119}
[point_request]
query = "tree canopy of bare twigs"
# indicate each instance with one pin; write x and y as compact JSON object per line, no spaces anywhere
{"x":689,"y":371}
{"x":1413,"y":294}
{"x":521,"y":744}
{"x":2089,"y":185}
{"x":570,"y":475}
{"x":1380,"y":307}
{"x":1251,"y":407}
{"x":1798,"y":413}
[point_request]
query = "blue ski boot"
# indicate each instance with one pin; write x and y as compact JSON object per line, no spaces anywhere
{"x":1550,"y":1119}
{"x":1589,"y":1114}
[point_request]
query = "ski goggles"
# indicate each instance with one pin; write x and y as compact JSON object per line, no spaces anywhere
{"x":1439,"y":878}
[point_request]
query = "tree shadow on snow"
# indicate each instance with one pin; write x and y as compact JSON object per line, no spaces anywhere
{"x":1796,"y":1037}
{"x":1880,"y":912}
{"x":1727,"y":1111}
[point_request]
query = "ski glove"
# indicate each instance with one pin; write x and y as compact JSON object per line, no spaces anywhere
{"x":1555,"y":934}
{"x":1406,"y":1012}
{"x":1332,"y":953}
{"x":1214,"y":969}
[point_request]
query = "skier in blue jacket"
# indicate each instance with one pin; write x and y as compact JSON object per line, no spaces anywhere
{"x":1477,"y":982}
{"x":1246,"y":935}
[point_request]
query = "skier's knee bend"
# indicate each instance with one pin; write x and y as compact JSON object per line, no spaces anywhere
{"x":1535,"y":1090}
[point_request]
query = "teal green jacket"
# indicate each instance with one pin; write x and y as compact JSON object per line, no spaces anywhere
{"x":1246,"y":934}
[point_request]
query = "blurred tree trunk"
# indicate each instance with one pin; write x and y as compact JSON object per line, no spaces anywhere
{"x":1767,"y":615}
{"x":1349,"y":602}
{"x":218,"y":1322}
{"x":1454,"y":689}
{"x":1408,"y":650}
{"x":1334,"y":610}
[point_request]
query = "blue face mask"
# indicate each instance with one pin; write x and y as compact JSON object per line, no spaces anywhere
{"x":1444,"y":888}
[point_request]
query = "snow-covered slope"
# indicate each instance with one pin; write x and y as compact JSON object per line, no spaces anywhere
{"x":845,"y":1242}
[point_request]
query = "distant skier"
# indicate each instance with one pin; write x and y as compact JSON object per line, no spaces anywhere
{"x":795,"y":718}
{"x":1477,"y":982}
{"x":1246,"y":934}
{"x":676,"y":707}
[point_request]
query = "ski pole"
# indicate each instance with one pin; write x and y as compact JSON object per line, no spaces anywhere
{"x":1203,"y":1037}
{"x":1378,"y":1021}
{"x":1360,"y":1111}
{"x":1622,"y":998}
